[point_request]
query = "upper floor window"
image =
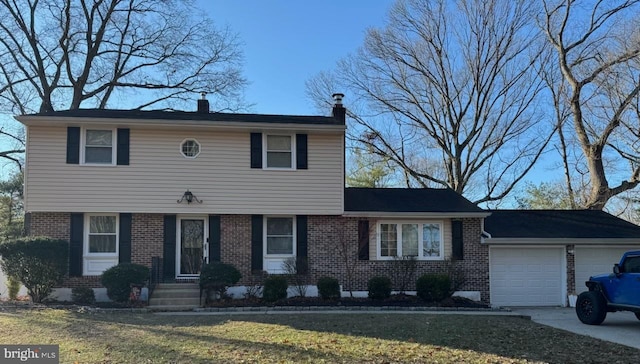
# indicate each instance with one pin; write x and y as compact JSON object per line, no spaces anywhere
{"x":410,"y":239}
{"x":279,"y":151}
{"x":190,"y":148}
{"x":99,"y":146}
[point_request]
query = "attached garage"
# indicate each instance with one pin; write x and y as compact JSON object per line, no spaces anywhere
{"x":539,"y":257}
{"x":527,"y":276}
{"x":592,"y":260}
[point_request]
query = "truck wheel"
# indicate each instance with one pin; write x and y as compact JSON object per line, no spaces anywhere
{"x":591,"y":308}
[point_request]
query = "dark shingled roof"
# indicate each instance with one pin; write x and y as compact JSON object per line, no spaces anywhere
{"x":406,"y":200}
{"x":191,"y":115}
{"x":558,"y":224}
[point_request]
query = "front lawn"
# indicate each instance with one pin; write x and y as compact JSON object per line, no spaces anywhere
{"x":313,"y":338}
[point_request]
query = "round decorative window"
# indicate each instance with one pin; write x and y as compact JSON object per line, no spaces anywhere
{"x":190,"y":148}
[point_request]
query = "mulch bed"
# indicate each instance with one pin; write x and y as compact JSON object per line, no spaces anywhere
{"x":399,"y":300}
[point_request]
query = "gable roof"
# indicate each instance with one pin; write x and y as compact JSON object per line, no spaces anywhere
{"x":559,"y":224}
{"x":165,"y":115}
{"x":444,"y":202}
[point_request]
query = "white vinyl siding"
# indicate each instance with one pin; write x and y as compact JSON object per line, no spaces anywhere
{"x":159,"y":174}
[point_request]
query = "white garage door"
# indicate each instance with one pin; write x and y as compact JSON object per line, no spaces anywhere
{"x":596,"y":260}
{"x":527,"y":276}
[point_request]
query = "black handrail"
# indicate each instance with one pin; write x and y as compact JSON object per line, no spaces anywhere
{"x":156,"y":273}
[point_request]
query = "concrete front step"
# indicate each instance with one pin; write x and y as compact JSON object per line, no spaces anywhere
{"x":178,"y":296}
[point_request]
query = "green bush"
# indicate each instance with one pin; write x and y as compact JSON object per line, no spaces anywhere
{"x":218,"y":277}
{"x":275,"y":289}
{"x":328,"y":288}
{"x":13,"y":286}
{"x":39,"y":263}
{"x":83,"y":295}
{"x":433,"y":287}
{"x":379,"y":288}
{"x":118,"y":280}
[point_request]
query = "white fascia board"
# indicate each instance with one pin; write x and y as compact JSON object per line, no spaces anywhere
{"x":30,"y":120}
{"x":560,"y":241}
{"x":382,"y":214}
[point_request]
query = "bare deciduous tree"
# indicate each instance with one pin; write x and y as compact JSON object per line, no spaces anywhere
{"x":447,"y":91}
{"x":597,"y":61}
{"x":64,"y":54}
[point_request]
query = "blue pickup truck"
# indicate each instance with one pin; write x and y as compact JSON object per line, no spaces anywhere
{"x":619,"y":291}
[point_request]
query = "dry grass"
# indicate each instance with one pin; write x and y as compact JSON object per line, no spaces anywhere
{"x":321,"y":338}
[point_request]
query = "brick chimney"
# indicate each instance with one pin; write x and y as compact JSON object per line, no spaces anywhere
{"x":339,"y":112}
{"x":203,"y":103}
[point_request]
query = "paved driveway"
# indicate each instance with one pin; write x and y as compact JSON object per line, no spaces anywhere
{"x":619,"y":327}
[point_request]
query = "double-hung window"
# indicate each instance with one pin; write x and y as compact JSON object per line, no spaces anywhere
{"x":100,"y":243}
{"x":422,"y":240}
{"x":99,"y":146}
{"x":279,"y":151}
{"x":279,"y":242}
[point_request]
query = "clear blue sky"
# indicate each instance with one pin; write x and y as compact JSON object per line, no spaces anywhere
{"x":286,"y":42}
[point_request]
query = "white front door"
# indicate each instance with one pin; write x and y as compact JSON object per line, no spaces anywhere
{"x":192,"y":247}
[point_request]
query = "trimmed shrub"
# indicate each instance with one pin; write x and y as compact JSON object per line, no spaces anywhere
{"x":218,"y":277}
{"x":433,"y":287}
{"x":118,"y":280}
{"x":13,"y":286}
{"x":275,"y":289}
{"x":39,"y":263}
{"x":328,"y":288}
{"x":83,"y":295}
{"x":379,"y":288}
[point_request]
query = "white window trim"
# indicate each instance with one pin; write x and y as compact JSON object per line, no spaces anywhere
{"x":399,"y":238}
{"x":264,"y":237}
{"x":83,"y":140}
{"x":86,"y":236}
{"x":265,"y":152}
{"x":199,"y":148}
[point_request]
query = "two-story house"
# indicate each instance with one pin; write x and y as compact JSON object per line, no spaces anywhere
{"x":246,"y":189}
{"x":183,"y":188}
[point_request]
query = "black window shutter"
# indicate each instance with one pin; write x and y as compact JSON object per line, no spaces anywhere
{"x":256,"y":242}
{"x":256,"y":150}
{"x":363,"y":240}
{"x":122,"y":152}
{"x":214,"y":238}
{"x":169,"y":247}
{"x":456,"y":240}
{"x":124,"y":240}
{"x":73,"y":145}
{"x":75,"y":244}
{"x":302,"y":259}
{"x":301,"y":151}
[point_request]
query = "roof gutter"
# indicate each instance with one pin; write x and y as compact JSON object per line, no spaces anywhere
{"x":560,"y":241}
{"x":30,"y":120}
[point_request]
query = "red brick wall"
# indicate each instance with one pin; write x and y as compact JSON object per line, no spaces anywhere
{"x":147,"y":238}
{"x":325,"y":242}
{"x":330,"y":235}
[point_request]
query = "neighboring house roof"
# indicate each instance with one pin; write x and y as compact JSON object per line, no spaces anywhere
{"x":420,"y":201}
{"x":558,"y":224}
{"x":143,"y":115}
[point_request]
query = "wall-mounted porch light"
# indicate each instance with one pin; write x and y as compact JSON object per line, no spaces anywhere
{"x":189,"y":197}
